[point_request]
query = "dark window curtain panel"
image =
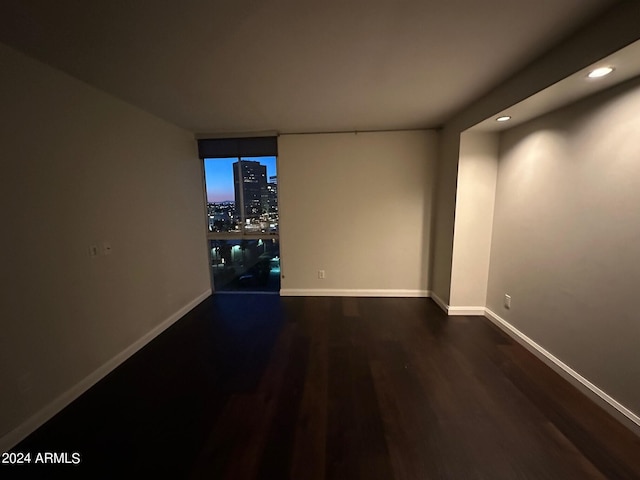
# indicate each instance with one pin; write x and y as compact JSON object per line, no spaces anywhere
{"x":238,"y":147}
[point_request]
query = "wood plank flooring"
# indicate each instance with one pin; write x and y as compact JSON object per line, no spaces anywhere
{"x":263,"y":387}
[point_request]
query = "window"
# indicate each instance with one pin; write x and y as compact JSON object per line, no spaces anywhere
{"x":242,"y":216}
{"x":242,"y":195}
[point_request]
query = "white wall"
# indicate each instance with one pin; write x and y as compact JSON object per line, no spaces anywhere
{"x":359,"y":207}
{"x":477,"y":171}
{"x":444,"y":214}
{"x":78,"y":168}
{"x":608,"y":33}
{"x":566,"y":237}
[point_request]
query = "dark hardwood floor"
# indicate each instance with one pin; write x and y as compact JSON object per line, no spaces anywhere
{"x":262,"y":387}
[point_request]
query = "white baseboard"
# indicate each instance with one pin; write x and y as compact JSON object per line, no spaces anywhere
{"x":318,"y":292}
{"x":441,"y":303}
{"x":18,"y":434}
{"x":458,"y":311}
{"x":608,"y":403}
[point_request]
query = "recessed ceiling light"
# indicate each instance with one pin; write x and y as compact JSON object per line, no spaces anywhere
{"x":600,"y":72}
{"x":504,"y":118}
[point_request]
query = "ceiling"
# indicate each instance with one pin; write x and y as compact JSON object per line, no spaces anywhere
{"x":626,"y":64}
{"x":231,"y":66}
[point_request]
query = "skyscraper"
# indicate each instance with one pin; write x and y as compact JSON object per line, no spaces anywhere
{"x":272,"y":196}
{"x":250,"y":188}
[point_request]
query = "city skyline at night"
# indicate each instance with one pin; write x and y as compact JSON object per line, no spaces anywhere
{"x":219,"y":176}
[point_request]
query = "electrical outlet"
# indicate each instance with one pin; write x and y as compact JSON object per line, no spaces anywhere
{"x":321,"y":274}
{"x":106,"y":247}
{"x":93,"y":251}
{"x":507,"y":301}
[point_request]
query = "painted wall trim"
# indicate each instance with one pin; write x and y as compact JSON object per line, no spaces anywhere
{"x":441,"y":303}
{"x":18,"y":434}
{"x":611,"y":405}
{"x":459,"y":311}
{"x":319,"y":292}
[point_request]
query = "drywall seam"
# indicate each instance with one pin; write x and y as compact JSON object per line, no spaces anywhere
{"x":41,"y":417}
{"x":611,"y":405}
{"x":318,"y":292}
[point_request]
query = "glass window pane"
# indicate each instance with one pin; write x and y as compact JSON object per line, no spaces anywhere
{"x":221,"y":209}
{"x":242,"y":200}
{"x":245,"y":264}
{"x":242,"y":194}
